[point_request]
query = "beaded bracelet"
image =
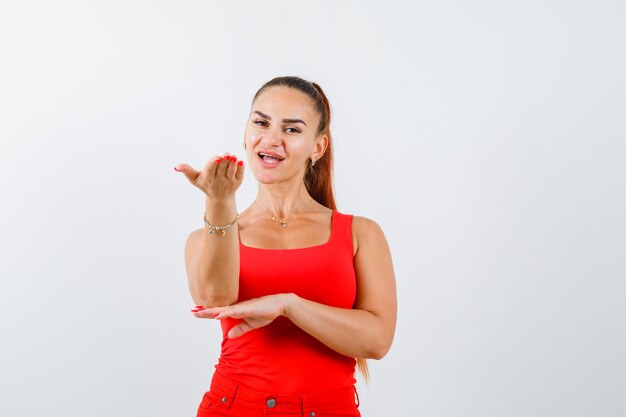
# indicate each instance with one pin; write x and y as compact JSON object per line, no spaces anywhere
{"x":218,"y":229}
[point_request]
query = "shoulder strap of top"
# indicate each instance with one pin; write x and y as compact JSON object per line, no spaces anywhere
{"x":342,"y":226}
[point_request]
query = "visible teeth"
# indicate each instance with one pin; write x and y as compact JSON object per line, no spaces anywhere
{"x":271,"y":156}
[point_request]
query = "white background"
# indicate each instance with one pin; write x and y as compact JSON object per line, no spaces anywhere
{"x":485,"y":137}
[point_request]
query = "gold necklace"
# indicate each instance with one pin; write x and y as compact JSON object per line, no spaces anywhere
{"x":283,"y":222}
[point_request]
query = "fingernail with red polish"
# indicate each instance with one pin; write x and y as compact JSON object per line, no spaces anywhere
{"x":240,"y":163}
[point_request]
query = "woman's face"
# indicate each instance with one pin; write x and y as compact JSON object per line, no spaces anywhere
{"x":281,"y":135}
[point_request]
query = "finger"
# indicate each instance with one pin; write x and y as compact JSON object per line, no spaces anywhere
{"x":212,"y":166}
{"x":238,"y":330}
{"x":226,"y":162}
{"x":188,"y":171}
{"x":202,"y":314}
{"x":226,"y":156}
{"x":228,"y":312}
{"x":222,"y":168}
{"x":232,"y":167}
{"x":212,"y":161}
{"x":207,"y":313}
{"x":239,"y":173}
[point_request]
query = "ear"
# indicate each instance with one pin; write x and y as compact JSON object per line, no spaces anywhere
{"x":321,"y":144}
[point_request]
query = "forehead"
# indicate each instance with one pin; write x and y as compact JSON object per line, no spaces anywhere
{"x":285,"y":102}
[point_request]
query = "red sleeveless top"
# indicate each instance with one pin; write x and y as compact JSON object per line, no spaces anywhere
{"x":280,"y":357}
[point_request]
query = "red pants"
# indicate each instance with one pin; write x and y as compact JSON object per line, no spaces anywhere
{"x":228,"y":398}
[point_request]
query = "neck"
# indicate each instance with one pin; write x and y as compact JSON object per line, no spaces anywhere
{"x":281,"y":200}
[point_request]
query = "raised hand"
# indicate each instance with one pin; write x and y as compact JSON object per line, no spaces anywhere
{"x":219,"y":179}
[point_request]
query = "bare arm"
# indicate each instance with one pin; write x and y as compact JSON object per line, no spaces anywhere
{"x":366,"y":331}
{"x":212,"y":260}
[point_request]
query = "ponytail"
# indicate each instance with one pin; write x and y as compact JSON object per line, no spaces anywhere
{"x":319,"y":177}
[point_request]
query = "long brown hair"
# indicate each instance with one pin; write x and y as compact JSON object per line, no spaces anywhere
{"x":318,"y":178}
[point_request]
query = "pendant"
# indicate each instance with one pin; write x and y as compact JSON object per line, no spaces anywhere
{"x":282,"y":223}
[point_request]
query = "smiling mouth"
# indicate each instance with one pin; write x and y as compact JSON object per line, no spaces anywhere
{"x":269,"y":159}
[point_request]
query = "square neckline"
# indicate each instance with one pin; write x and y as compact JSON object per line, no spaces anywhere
{"x":330,"y":239}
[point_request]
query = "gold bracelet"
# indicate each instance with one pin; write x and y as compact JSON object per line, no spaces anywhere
{"x":218,"y":229}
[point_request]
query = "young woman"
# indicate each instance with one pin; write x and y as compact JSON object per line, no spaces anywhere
{"x":302,"y":291}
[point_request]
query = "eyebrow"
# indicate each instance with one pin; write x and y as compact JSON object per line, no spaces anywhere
{"x":284,"y":120}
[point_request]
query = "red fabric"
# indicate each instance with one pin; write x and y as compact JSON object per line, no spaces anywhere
{"x":227,"y":398}
{"x":280,"y":357}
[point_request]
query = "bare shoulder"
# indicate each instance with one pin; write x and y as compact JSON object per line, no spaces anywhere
{"x":365,"y":231}
{"x":364,"y":223}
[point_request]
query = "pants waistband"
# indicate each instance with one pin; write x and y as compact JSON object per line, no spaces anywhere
{"x":231,"y":391}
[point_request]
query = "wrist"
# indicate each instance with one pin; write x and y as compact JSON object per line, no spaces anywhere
{"x":222,"y":202}
{"x":220,"y":212}
{"x":287,"y":304}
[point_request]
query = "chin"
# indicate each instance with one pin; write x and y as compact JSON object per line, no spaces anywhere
{"x":267,"y":178}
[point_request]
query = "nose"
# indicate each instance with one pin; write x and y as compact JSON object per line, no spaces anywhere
{"x":272,"y":138}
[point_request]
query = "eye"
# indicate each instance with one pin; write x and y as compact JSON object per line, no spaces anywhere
{"x":293,"y":130}
{"x":260,"y":122}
